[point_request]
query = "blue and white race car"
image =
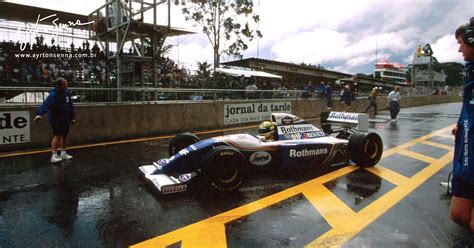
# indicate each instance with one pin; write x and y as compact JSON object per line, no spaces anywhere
{"x":220,"y":163}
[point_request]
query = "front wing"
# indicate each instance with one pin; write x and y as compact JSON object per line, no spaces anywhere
{"x":166,"y":184}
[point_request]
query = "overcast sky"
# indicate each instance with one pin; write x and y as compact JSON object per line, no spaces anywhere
{"x":341,"y":35}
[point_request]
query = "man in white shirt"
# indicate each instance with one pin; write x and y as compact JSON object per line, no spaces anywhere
{"x":394,"y":102}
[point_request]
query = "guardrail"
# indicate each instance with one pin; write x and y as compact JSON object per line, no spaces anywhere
{"x":14,"y":95}
{"x":34,"y":95}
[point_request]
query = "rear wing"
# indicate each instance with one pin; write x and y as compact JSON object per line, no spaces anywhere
{"x":330,"y":120}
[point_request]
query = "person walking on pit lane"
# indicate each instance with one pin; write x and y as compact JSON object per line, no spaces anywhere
{"x":372,"y":100}
{"x":394,"y":102}
{"x":462,"y":202}
{"x":61,"y":114}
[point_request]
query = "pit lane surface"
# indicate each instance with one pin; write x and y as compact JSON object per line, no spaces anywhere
{"x":98,"y":200}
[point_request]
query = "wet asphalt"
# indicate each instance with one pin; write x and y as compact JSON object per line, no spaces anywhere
{"x":98,"y":199}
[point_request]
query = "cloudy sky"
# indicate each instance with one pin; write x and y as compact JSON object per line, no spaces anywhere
{"x":341,"y":35}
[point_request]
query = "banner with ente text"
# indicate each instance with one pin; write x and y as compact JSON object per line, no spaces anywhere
{"x":14,"y":127}
{"x":253,"y":112}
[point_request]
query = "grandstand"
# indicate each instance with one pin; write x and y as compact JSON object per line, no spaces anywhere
{"x":89,"y":50}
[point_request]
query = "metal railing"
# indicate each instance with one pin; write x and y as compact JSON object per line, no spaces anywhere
{"x":35,"y":95}
{"x":14,"y":95}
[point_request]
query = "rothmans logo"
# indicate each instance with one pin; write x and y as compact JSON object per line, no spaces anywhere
{"x":307,"y":152}
{"x":345,"y":117}
{"x":296,"y":129}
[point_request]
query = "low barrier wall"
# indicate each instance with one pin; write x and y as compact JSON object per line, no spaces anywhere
{"x":95,"y":123}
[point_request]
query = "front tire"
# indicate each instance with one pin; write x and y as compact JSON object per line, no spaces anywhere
{"x":224,"y":169}
{"x":365,"y":149}
{"x":180,"y":142}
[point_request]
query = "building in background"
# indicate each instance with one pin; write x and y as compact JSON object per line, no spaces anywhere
{"x":392,"y":72}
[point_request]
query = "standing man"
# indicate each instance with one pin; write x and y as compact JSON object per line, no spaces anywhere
{"x":346,"y":98}
{"x":372,"y":100}
{"x":328,"y":95}
{"x":394,"y":102}
{"x":61,"y":114}
{"x":462,"y":203}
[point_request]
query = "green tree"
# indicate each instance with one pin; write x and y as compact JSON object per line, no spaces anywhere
{"x":203,"y":73}
{"x":454,"y":73}
{"x":228,"y":24}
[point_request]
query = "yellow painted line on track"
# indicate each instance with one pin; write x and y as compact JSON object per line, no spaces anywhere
{"x":417,"y":156}
{"x":438,"y":145}
{"x":344,"y":222}
{"x":388,"y":174}
{"x":445,"y":135}
{"x":346,"y":229}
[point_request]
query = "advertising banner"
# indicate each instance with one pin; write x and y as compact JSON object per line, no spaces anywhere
{"x":14,"y":127}
{"x":253,"y":112}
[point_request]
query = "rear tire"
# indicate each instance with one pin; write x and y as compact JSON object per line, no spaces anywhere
{"x":181,"y":141}
{"x":224,"y":169}
{"x":365,"y":149}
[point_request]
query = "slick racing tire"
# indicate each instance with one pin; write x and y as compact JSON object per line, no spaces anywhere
{"x":181,"y":141}
{"x":223,"y":169}
{"x":365,"y":149}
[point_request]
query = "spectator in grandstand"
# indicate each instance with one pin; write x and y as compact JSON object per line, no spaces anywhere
{"x":372,"y":100}
{"x":462,"y":203}
{"x":61,"y":114}
{"x":394,"y":103}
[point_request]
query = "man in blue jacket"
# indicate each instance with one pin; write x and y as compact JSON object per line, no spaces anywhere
{"x":61,"y":114}
{"x":462,"y":203}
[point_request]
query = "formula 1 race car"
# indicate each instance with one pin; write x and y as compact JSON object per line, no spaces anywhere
{"x":220,"y":163}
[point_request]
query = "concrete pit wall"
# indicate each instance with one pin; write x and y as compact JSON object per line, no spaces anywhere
{"x":98,"y":123}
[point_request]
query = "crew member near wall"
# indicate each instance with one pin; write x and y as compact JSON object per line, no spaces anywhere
{"x":61,"y":114}
{"x":394,"y":102}
{"x":462,"y":203}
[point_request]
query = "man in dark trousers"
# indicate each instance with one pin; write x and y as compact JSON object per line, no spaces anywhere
{"x":61,"y":114}
{"x":394,"y":102}
{"x":462,"y":203}
{"x":372,"y":100}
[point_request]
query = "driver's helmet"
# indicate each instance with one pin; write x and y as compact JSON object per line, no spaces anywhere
{"x":266,"y":129}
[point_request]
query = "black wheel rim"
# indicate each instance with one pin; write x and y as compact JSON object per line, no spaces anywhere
{"x":372,"y":148}
{"x":228,"y":173}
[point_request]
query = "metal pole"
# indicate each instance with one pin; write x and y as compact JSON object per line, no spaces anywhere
{"x":169,"y":14}
{"x":119,"y":53}
{"x":154,"y":57}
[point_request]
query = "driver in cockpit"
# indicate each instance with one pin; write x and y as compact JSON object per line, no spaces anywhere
{"x":267,"y":131}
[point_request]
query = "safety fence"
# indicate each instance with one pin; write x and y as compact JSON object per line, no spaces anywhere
{"x":34,"y":95}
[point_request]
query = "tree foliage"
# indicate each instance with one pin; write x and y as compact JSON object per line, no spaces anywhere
{"x":454,"y":72}
{"x":203,"y":73}
{"x":228,"y":24}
